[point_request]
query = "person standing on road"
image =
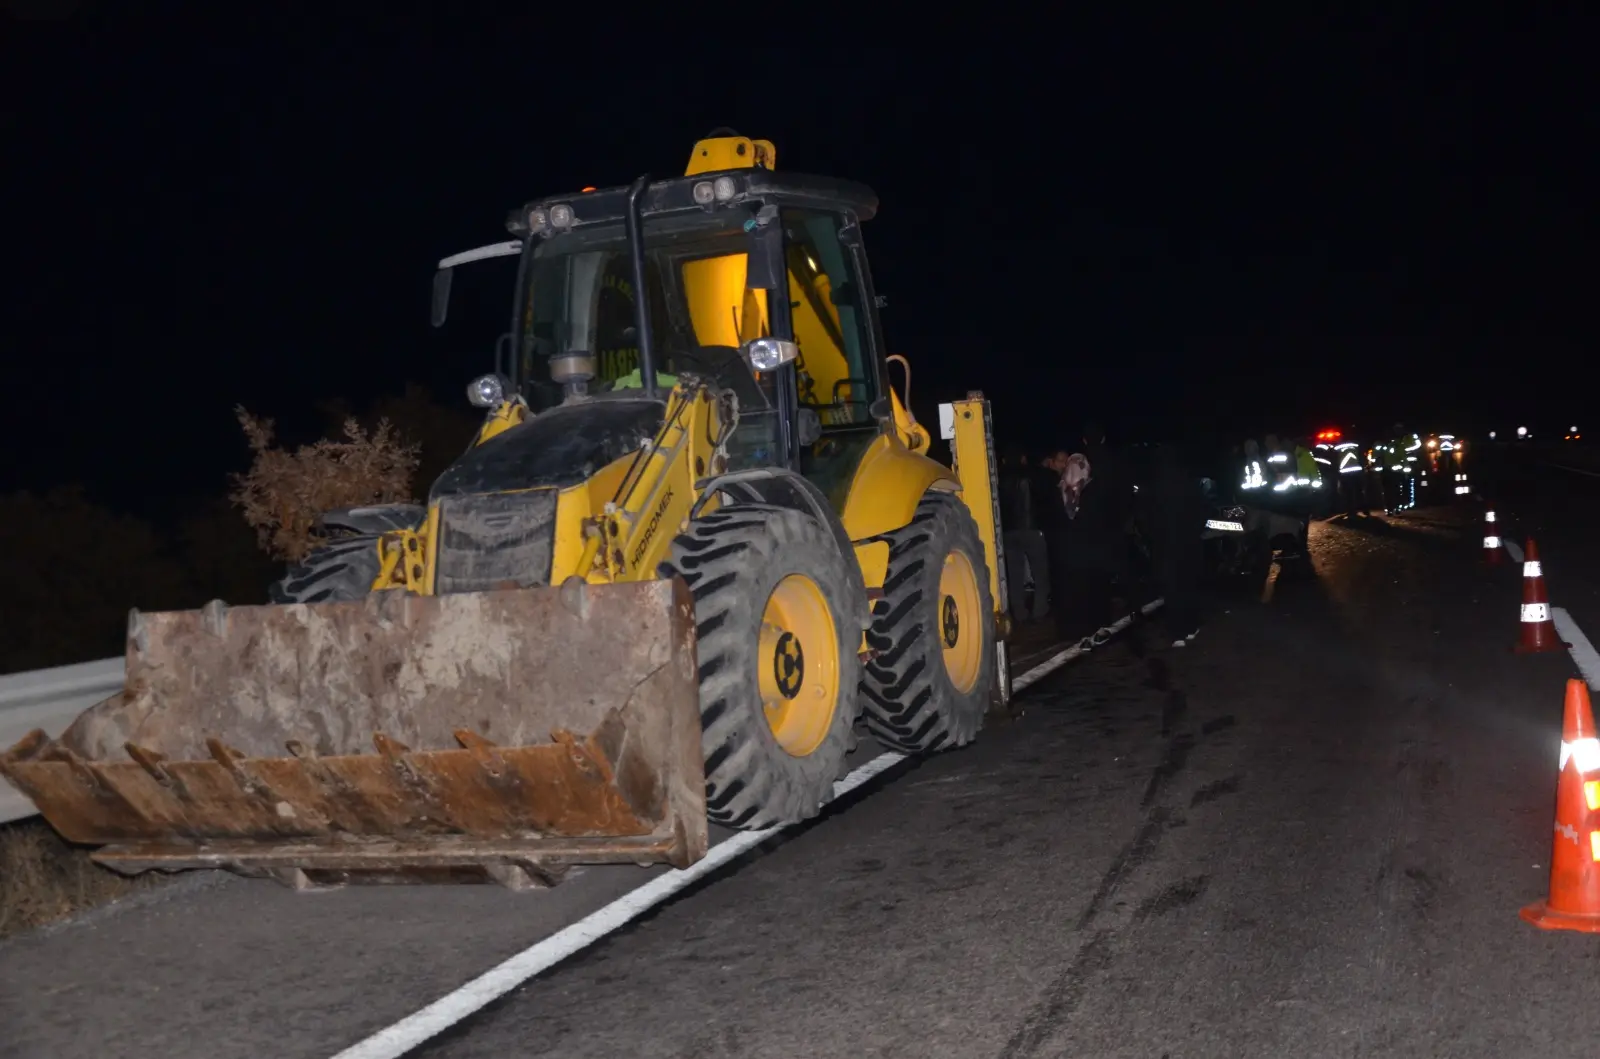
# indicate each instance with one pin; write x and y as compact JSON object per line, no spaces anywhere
{"x":1177,"y":514}
{"x":1402,"y":462}
{"x":1074,"y":476}
{"x":1373,"y":477}
{"x":1253,"y":476}
{"x":1097,"y":545}
{"x":1050,"y":517}
{"x":1322,"y":455}
{"x":1349,"y":471}
{"x":1305,"y":466}
{"x":1025,"y":544}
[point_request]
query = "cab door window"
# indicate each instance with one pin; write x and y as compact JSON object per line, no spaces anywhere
{"x":836,"y":376}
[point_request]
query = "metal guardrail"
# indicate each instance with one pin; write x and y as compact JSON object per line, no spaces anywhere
{"x":49,"y":699}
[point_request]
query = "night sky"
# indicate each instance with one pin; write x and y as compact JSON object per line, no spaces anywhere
{"x":1166,"y":226}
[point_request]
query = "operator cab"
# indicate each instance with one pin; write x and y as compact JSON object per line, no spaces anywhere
{"x":704,"y":306}
{"x":711,"y":246}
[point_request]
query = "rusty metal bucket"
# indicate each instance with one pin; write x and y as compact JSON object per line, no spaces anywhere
{"x":496,"y":736}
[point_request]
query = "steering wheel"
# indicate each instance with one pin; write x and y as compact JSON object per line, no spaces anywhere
{"x":724,"y":366}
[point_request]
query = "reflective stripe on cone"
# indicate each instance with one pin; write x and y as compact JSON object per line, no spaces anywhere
{"x":1574,"y":895}
{"x":1491,"y":540}
{"x":1538,"y":633}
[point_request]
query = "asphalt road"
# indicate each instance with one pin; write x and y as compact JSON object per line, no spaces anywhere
{"x":1308,"y":833}
{"x":1558,"y":505}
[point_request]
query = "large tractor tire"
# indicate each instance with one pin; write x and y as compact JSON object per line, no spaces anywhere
{"x":779,"y":659}
{"x":341,"y":570}
{"x":927,"y":688}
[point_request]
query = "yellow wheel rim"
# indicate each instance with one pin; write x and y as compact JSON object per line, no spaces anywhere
{"x":798,"y":663}
{"x":960,"y":621}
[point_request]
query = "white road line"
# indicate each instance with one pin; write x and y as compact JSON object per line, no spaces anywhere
{"x":1061,"y":658}
{"x":414,"y":1029}
{"x":420,"y":1026}
{"x":1575,"y":470}
{"x":1582,"y":651}
{"x":1513,"y":549}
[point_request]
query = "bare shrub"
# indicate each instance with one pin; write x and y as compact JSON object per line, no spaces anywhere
{"x":284,"y":491}
{"x":444,"y":430}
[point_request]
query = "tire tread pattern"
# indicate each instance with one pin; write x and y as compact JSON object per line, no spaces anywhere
{"x":336,"y":572}
{"x":910,"y":704}
{"x":731,"y":559}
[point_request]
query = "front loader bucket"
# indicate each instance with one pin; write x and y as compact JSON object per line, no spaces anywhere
{"x":483,"y":736}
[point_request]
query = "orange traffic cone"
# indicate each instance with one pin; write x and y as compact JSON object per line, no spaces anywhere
{"x":1538,"y":631}
{"x":1574,"y":901}
{"x":1493,"y":553}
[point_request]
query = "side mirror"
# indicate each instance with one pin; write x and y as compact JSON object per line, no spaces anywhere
{"x":765,"y":267}
{"x":769,"y":354}
{"x":441,"y":295}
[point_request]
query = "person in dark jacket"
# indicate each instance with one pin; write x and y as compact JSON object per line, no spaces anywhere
{"x":1097,"y":541}
{"x":1026,"y":557}
{"x":1176,"y":515}
{"x":1050,"y":516}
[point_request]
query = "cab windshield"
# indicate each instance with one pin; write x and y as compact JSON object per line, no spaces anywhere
{"x":580,"y":296}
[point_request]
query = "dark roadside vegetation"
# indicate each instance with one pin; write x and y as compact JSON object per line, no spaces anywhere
{"x":77,"y":565}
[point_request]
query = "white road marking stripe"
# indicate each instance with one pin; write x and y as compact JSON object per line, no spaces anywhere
{"x":414,"y":1029}
{"x":1584,"y":656}
{"x":420,"y":1026}
{"x":1514,"y":550}
{"x":1575,"y":470}
{"x":1061,"y":658}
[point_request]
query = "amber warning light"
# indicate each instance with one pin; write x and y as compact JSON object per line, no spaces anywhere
{"x":1329,"y":435}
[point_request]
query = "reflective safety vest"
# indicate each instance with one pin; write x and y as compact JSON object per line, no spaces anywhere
{"x":1305,"y":466}
{"x":634,"y":380}
{"x":1408,"y":452}
{"x":1348,"y":455}
{"x":1253,"y":478}
{"x":1322,"y":453}
{"x":1280,"y":471}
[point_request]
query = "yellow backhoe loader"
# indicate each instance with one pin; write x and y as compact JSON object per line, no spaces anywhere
{"x":696,"y":541}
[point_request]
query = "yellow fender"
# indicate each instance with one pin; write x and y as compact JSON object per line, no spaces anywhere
{"x":503,"y":418}
{"x":888,"y":485}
